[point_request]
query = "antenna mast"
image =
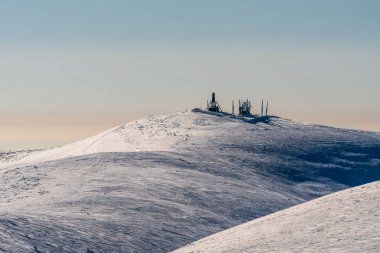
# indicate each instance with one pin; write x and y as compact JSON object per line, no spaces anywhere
{"x":213,"y":106}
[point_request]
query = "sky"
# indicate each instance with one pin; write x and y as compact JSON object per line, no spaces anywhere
{"x":70,"y":69}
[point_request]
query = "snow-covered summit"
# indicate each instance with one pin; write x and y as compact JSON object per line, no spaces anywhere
{"x":182,"y":131}
{"x":169,"y":132}
{"x":346,"y":221}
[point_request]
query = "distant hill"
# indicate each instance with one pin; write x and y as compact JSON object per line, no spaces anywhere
{"x":159,"y":183}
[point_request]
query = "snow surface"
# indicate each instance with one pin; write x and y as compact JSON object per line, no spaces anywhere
{"x":155,"y":133}
{"x":347,"y":221}
{"x":159,"y":183}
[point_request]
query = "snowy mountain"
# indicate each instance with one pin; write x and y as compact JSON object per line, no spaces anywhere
{"x":159,"y":183}
{"x":347,"y":221}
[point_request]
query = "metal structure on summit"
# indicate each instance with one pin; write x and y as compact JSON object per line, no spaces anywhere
{"x":213,"y":106}
{"x":266,"y":108}
{"x":245,"y":108}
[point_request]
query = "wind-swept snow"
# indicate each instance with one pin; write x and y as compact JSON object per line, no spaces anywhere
{"x":155,"y":133}
{"x":162,"y":182}
{"x":347,"y":221}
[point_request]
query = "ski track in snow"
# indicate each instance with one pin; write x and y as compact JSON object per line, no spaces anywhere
{"x":347,"y":221}
{"x":159,"y":183}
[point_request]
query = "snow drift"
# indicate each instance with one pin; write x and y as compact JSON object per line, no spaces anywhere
{"x":347,"y":221}
{"x":159,"y":183}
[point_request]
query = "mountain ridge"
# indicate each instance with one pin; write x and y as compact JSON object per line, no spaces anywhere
{"x":85,"y":146}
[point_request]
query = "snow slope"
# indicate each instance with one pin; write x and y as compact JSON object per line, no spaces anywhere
{"x":155,"y":133}
{"x":347,"y":221}
{"x":162,"y":182}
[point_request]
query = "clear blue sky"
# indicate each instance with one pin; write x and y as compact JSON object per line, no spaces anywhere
{"x":69,"y":69}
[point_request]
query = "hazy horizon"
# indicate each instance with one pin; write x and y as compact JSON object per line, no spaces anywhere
{"x":71,"y":69}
